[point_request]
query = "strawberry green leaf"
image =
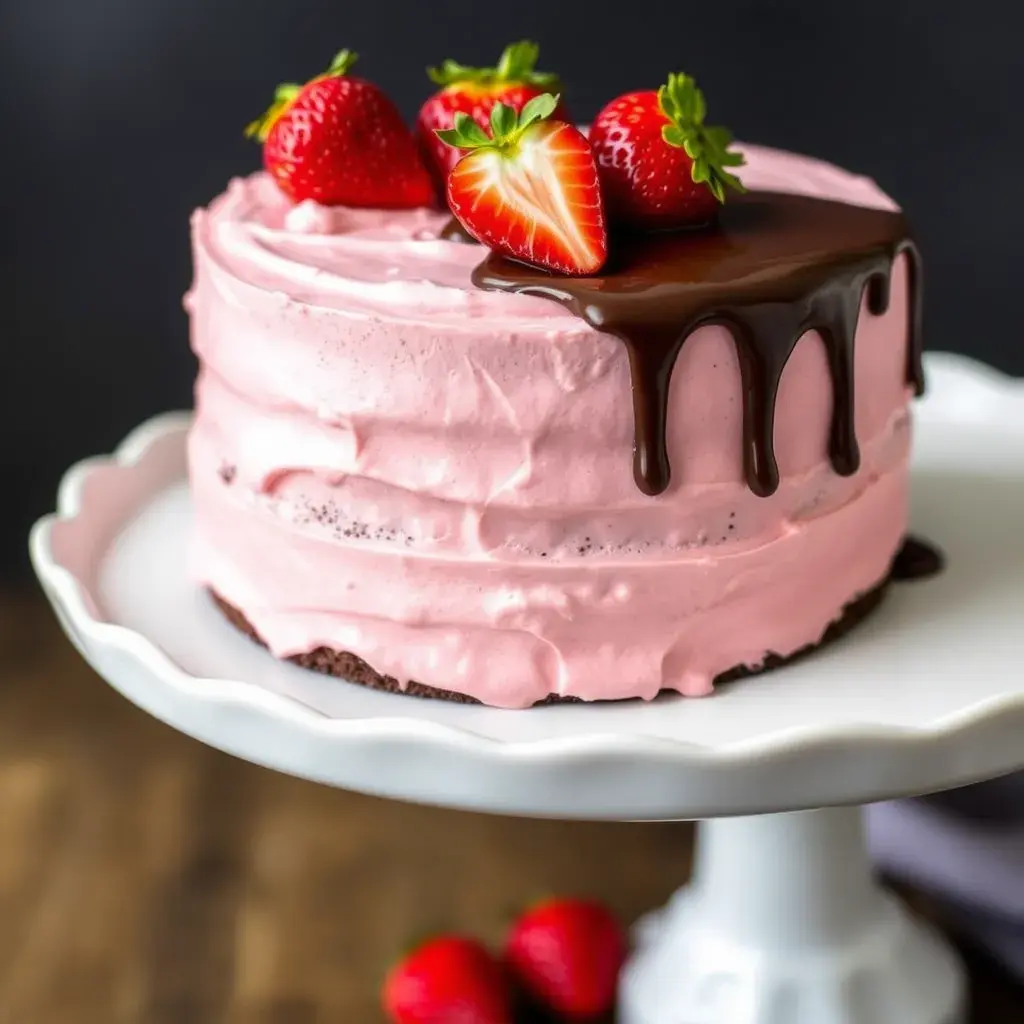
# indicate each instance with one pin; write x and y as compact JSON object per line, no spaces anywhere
{"x":706,"y":145}
{"x":507,"y":127}
{"x":469,"y":129}
{"x":285,"y":96}
{"x":466,"y":133}
{"x":718,"y":137}
{"x":451,"y":71}
{"x":517,"y":64}
{"x":537,"y":109}
{"x":518,"y":59}
{"x":503,"y":120}
{"x":673,"y":135}
{"x":699,"y":109}
{"x":342,"y":63}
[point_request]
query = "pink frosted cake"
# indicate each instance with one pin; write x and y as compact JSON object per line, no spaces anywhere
{"x":425,"y":474}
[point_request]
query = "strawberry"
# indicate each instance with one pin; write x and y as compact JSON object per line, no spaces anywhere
{"x":530,"y":189}
{"x":661,"y":166}
{"x":340,"y":141}
{"x":448,"y":980}
{"x":475,"y":91}
{"x":567,"y":954}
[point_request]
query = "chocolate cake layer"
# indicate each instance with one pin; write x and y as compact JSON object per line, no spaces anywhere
{"x":347,"y":666}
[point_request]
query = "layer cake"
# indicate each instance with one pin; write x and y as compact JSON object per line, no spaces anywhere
{"x":425,"y":467}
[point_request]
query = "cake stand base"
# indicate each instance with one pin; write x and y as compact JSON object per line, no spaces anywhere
{"x":784,"y":924}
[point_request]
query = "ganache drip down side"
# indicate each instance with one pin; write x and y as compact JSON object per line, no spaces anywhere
{"x":917,"y":559}
{"x":774,"y":267}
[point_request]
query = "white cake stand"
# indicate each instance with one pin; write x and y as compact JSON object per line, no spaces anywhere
{"x":783,"y":923}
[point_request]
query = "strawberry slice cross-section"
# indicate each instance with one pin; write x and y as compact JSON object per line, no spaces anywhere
{"x":530,"y":188}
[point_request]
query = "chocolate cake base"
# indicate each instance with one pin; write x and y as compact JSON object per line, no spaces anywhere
{"x":348,"y":666}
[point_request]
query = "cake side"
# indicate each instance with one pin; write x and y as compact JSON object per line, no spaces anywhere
{"x":345,"y":665}
{"x":390,"y":462}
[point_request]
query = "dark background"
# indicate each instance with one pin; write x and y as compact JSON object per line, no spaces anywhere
{"x":118,"y":117}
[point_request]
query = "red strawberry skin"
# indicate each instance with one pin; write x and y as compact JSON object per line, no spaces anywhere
{"x":647,"y":183}
{"x":475,"y":100}
{"x":567,"y":954}
{"x":342,"y":142}
{"x":502,"y":202}
{"x":448,"y":980}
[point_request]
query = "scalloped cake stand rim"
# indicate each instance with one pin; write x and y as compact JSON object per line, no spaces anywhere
{"x":137,"y":620}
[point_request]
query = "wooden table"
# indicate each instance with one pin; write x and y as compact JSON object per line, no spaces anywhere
{"x":145,"y":879}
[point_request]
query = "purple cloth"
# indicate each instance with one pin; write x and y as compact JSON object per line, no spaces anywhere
{"x":966,"y":848}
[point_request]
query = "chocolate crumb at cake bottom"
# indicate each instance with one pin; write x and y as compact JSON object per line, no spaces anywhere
{"x":347,"y":666}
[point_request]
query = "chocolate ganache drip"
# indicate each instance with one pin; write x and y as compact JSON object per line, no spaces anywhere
{"x":917,"y":560}
{"x":774,"y":267}
{"x":453,"y":231}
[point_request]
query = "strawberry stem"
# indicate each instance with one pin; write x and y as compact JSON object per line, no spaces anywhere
{"x":342,"y":63}
{"x":507,"y":127}
{"x":517,"y":65}
{"x":707,"y":146}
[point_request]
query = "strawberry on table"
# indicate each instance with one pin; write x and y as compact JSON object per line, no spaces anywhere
{"x":530,"y":189}
{"x":448,"y":980}
{"x":661,"y":166}
{"x":340,"y":141}
{"x":475,"y":91}
{"x":567,"y":954}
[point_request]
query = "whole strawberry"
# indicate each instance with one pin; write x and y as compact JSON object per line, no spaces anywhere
{"x":475,"y":91}
{"x":340,"y":141}
{"x":567,"y":954}
{"x":661,"y":166}
{"x":530,"y":189}
{"x":448,"y":980}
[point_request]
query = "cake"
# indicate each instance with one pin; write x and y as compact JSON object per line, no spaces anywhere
{"x":423,"y":466}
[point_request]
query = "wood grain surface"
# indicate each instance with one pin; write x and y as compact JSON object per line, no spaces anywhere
{"x":145,"y":879}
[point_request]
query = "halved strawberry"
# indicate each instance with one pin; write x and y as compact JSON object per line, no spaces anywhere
{"x":530,"y":189}
{"x":513,"y":81}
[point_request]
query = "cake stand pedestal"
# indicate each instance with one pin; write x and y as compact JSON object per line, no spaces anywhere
{"x":783,"y":923}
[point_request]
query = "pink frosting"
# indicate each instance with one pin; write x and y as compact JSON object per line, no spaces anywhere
{"x":388,"y":461}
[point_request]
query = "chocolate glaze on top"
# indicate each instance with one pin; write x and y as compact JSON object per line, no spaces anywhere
{"x":774,"y":267}
{"x":453,"y":231}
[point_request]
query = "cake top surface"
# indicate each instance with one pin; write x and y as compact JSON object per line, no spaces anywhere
{"x":394,"y":263}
